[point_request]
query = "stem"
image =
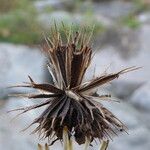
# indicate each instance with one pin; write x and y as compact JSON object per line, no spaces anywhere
{"x":104,"y":145}
{"x":67,"y":142}
{"x":40,"y":147}
{"x":46,"y":147}
{"x":87,"y":143}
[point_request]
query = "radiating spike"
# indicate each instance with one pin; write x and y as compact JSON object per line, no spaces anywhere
{"x":25,"y":109}
{"x":105,"y":79}
{"x":45,"y":87}
{"x":31,"y":80}
{"x":133,"y":68}
{"x":34,"y":95}
{"x":103,"y":98}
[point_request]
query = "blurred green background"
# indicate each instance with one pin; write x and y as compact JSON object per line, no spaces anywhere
{"x":24,"y":21}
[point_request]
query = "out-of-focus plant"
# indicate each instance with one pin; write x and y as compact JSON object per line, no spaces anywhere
{"x":8,"y":5}
{"x":18,"y":23}
{"x":13,"y":5}
{"x":19,"y":28}
{"x":131,"y":21}
{"x":141,"y":5}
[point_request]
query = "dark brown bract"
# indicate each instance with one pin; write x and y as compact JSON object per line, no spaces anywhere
{"x":71,"y":103}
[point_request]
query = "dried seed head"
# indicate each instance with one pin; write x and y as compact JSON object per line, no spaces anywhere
{"x":71,"y":103}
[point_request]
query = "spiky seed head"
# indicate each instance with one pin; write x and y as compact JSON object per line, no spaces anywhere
{"x":71,"y":103}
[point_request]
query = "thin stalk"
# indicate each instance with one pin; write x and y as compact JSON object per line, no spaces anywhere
{"x":66,"y":141}
{"x":87,"y":143}
{"x":40,"y":147}
{"x":104,"y":145}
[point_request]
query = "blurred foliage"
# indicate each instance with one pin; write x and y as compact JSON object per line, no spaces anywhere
{"x":18,"y":22}
{"x":8,"y":5}
{"x":48,"y":9}
{"x":11,"y":5}
{"x":141,"y":5}
{"x":88,"y":25}
{"x":88,"y":17}
{"x":131,"y":21}
{"x":19,"y":28}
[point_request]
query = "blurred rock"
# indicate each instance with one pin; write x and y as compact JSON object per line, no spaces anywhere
{"x":141,"y":97}
{"x":108,"y":60}
{"x":111,"y":59}
{"x":104,"y":12}
{"x":138,"y":133}
{"x":124,"y":89}
{"x":10,"y":135}
{"x":137,"y":123}
{"x":114,"y":9}
{"x":123,"y":111}
{"x":47,"y":19}
{"x":123,"y":39}
{"x":138,"y":139}
{"x":144,"y":17}
{"x":40,"y":4}
{"x":17,"y":63}
{"x":54,"y":4}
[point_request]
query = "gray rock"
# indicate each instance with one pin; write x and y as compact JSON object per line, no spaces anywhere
{"x":10,"y":135}
{"x":124,"y":89}
{"x":125,"y":112}
{"x":137,"y":139}
{"x":141,"y":97}
{"x":17,"y":63}
{"x":47,"y":19}
{"x":123,"y":39}
{"x":144,"y":17}
{"x":109,"y":59}
{"x":138,"y":133}
{"x":54,"y":4}
{"x":114,"y":9}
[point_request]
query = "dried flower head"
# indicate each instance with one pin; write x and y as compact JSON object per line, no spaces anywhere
{"x":71,"y":103}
